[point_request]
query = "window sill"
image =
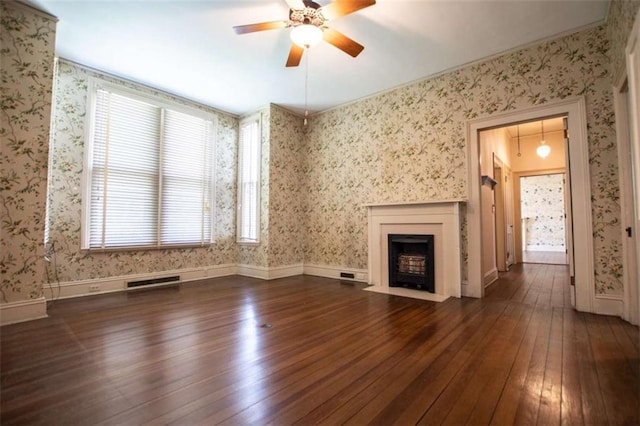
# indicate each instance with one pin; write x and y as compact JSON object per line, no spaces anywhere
{"x":145,"y":248}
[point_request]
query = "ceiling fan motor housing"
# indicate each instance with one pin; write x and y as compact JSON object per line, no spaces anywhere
{"x":310,"y":26}
{"x":310,"y":15}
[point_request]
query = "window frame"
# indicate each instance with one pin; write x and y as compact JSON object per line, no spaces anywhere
{"x":257,"y":120}
{"x":95,"y":84}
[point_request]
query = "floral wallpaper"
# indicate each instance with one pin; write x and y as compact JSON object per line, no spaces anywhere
{"x":542,"y":207}
{"x":619,"y":23}
{"x":27,"y":41}
{"x":281,"y":215}
{"x":409,"y":145}
{"x":65,"y":191}
{"x":286,"y":221}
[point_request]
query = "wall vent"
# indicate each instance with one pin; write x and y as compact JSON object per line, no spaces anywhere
{"x":152,"y":281}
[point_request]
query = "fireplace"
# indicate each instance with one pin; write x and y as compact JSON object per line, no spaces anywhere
{"x":432,"y":229}
{"x":411,"y":262}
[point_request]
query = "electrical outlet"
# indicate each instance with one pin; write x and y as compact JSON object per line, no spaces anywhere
{"x":94,"y":287}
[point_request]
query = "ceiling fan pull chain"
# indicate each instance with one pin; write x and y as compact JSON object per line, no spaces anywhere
{"x":306,"y":87}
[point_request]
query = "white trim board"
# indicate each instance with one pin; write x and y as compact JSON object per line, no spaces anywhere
{"x":627,"y":200}
{"x":70,"y":289}
{"x":609,"y":305}
{"x":631,"y":108}
{"x":490,"y":277}
{"x":541,"y":247}
{"x":80,"y":288}
{"x":23,"y":310}
{"x":360,"y":275}
{"x":267,"y":273}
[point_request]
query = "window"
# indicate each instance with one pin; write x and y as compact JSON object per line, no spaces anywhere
{"x":149,"y":173}
{"x":248,"y":220}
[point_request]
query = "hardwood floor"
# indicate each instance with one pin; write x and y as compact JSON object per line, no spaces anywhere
{"x":308,"y":350}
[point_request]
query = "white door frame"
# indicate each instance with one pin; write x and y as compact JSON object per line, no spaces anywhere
{"x":578,"y":167}
{"x":500,"y":218}
{"x":632,"y":112}
{"x":627,"y":200}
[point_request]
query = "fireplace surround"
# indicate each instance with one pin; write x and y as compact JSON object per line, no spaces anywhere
{"x":439,"y":219}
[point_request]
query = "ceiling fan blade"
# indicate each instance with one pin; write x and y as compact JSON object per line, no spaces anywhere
{"x":342,"y":42}
{"x":344,"y":7}
{"x":295,"y":55}
{"x":295,"y":4}
{"x":263,"y":26}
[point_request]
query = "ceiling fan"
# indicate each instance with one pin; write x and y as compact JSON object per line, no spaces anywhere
{"x":309,"y":22}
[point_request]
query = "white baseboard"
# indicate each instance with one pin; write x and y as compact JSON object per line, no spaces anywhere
{"x":267,"y":273}
{"x":23,"y":310}
{"x":70,"y":289}
{"x":490,"y":277}
{"x":464,"y":289}
{"x":561,"y":249}
{"x":608,"y":305}
{"x":359,"y":275}
{"x":66,"y":290}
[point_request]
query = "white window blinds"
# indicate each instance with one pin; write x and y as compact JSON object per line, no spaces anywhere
{"x":150,"y":172}
{"x":248,"y":229}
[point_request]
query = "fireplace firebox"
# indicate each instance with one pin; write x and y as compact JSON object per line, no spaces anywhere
{"x":411,"y":262}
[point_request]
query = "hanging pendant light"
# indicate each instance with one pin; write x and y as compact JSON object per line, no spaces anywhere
{"x":543,"y":150}
{"x":518,"y":128}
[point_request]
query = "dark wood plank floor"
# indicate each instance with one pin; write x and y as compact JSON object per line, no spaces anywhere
{"x":329,"y":353}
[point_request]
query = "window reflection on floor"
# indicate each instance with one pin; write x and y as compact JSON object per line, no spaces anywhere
{"x":251,"y":380}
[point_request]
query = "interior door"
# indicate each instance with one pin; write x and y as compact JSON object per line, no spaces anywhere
{"x":629,"y":197}
{"x":566,"y":217}
{"x":633,"y":73}
{"x":509,"y":215}
{"x":500,"y":226}
{"x":569,"y":213}
{"x":503,"y":192}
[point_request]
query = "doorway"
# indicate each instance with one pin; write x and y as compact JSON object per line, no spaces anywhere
{"x":532,"y":154}
{"x":626,"y":95}
{"x":543,"y":219}
{"x":583,"y":278}
{"x":504,"y":215}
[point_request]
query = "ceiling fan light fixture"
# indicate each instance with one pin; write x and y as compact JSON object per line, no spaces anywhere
{"x":306,"y":35}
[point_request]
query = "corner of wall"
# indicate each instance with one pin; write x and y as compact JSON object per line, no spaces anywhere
{"x":27,"y":81}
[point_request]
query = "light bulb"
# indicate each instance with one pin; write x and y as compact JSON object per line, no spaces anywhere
{"x":543,"y":151}
{"x":306,"y":35}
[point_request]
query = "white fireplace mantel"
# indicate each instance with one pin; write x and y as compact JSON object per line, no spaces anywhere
{"x":439,"y":218}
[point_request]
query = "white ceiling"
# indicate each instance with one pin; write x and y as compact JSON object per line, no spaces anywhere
{"x":189,"y":48}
